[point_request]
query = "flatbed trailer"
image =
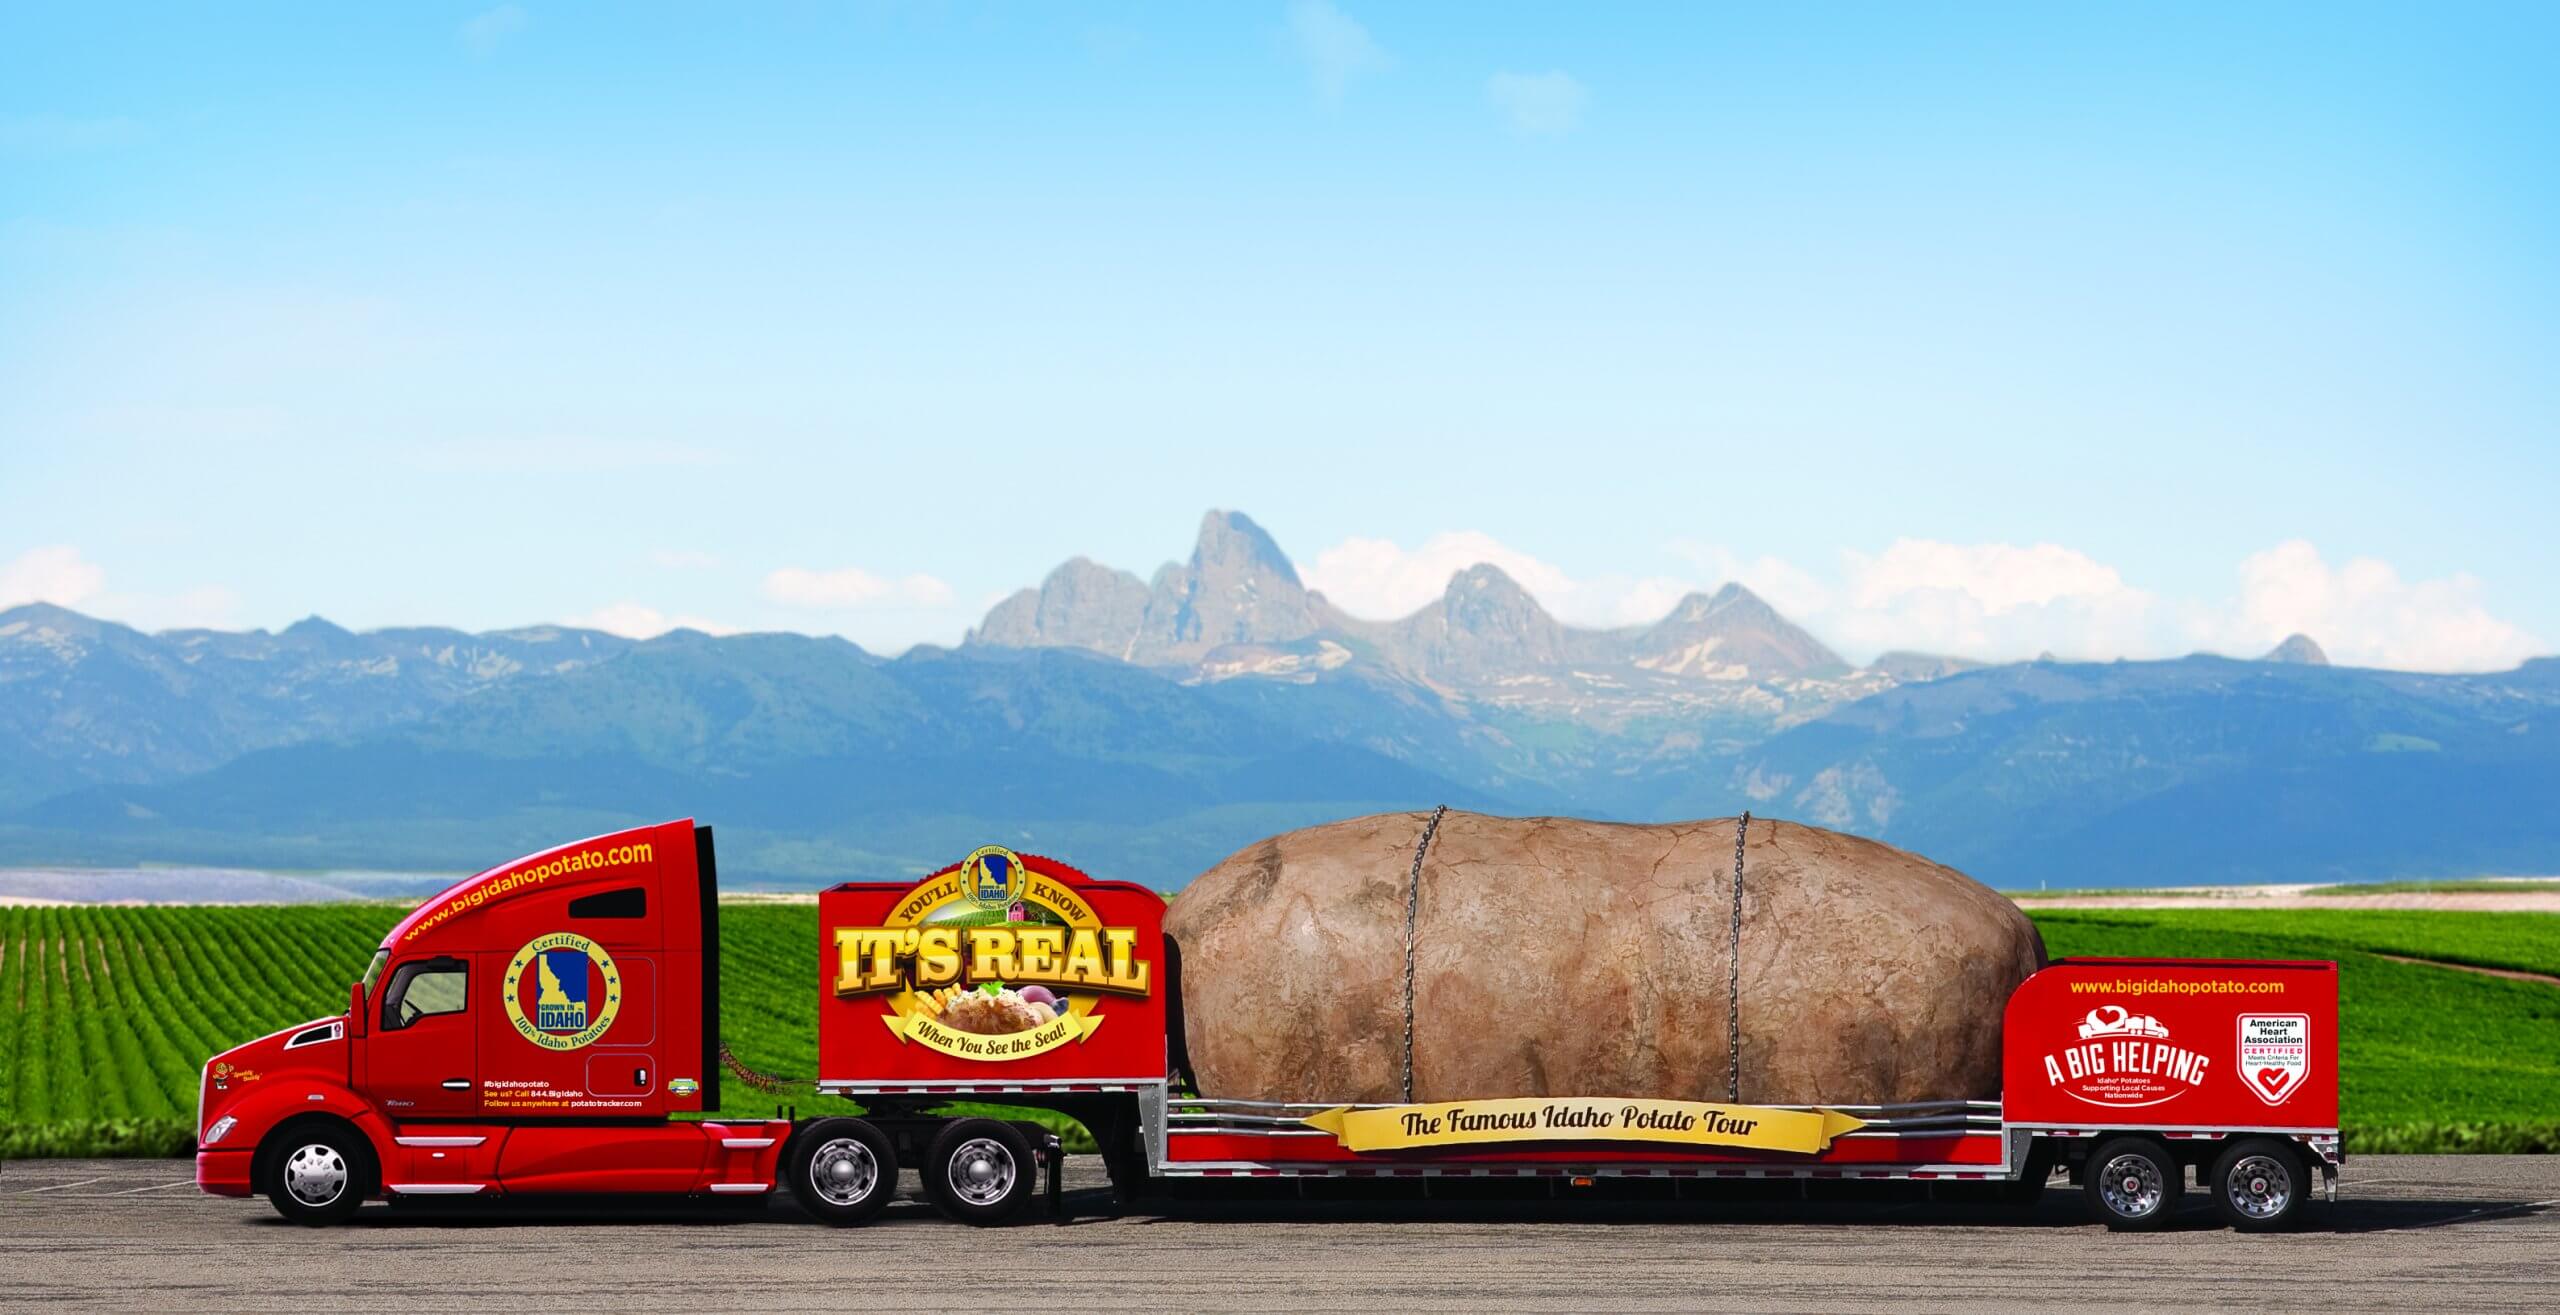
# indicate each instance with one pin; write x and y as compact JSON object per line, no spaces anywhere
{"x":543,"y":1027}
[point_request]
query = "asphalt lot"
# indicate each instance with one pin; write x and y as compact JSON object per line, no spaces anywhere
{"x":2409,"y":1233}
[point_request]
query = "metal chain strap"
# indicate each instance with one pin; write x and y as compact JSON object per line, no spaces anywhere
{"x":1412,"y":906}
{"x":1733,"y":973}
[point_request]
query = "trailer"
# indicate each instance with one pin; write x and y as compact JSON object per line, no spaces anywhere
{"x":552,"y":1026}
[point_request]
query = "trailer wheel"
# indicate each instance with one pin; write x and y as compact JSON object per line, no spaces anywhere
{"x":842,"y":1171}
{"x":318,"y":1173}
{"x":2133,"y":1184}
{"x":2259,"y":1184}
{"x":980,"y":1171}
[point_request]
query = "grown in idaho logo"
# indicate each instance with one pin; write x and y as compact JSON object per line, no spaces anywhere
{"x":562,"y":991}
{"x":995,"y":876}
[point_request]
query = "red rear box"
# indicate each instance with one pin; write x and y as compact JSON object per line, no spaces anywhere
{"x":2174,"y":1044}
{"x":1003,"y":970}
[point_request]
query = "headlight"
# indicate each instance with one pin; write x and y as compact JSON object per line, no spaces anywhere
{"x":220,"y":1129}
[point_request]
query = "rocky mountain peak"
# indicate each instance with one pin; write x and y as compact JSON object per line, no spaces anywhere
{"x":2298,"y":648}
{"x":49,"y":616}
{"x":1485,"y":599}
{"x":316,"y":626}
{"x":1238,"y":588}
{"x":1484,"y":633}
{"x":1485,"y":625}
{"x":1732,"y":633}
{"x":1229,"y":541}
{"x":1083,"y":604}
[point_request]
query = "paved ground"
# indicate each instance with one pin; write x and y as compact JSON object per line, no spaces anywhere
{"x":2410,"y":1233}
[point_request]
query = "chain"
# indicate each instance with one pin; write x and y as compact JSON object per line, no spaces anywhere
{"x":1412,"y":907}
{"x":1733,"y":973}
{"x":759,"y":1081}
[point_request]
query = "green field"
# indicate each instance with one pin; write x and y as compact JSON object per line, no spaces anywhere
{"x":106,"y":1013}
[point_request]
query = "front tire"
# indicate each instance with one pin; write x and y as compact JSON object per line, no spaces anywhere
{"x":2259,"y":1185}
{"x":842,"y":1171}
{"x":2133,"y":1184}
{"x":319,"y":1174}
{"x":981,"y":1171}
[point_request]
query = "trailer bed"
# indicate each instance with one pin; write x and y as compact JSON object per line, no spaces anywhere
{"x":1242,"y":1138}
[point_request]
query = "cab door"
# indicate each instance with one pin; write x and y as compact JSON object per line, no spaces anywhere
{"x":422,"y":1061}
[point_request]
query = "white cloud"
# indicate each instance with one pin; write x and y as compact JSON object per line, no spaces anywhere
{"x":1993,"y":601}
{"x":1538,"y":104}
{"x":486,"y":31}
{"x":1382,"y":580}
{"x":2006,"y":602}
{"x":634,"y":621}
{"x":2364,"y":614}
{"x":55,"y":574}
{"x":1334,"y":46}
{"x":553,"y":454}
{"x":851,"y":586}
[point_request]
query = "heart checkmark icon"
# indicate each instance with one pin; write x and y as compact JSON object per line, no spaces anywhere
{"x":2274,"y":1079}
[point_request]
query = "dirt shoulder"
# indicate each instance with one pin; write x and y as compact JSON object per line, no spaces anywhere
{"x":2536,"y":899}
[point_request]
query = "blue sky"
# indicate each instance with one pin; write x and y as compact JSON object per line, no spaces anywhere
{"x":1993,"y":329}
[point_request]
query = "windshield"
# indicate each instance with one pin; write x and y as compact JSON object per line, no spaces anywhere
{"x":373,"y":970}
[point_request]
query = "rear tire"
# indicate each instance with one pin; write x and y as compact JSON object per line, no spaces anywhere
{"x":2133,"y":1184}
{"x":981,"y":1171}
{"x":318,"y":1174}
{"x":842,"y":1171}
{"x":2259,"y":1184}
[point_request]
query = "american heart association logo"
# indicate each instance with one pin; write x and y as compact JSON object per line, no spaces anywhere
{"x":2275,"y":1053}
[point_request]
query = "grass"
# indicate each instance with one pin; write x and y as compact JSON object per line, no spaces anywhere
{"x":106,"y":1014}
{"x":2432,"y":1058}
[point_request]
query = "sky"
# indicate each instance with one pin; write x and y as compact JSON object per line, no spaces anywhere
{"x":1994,"y":330}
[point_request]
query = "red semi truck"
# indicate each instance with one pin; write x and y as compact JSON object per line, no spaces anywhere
{"x":547,"y":1026}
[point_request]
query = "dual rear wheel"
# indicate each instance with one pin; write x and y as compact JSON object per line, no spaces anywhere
{"x":2258,"y":1184}
{"x":978,"y":1171}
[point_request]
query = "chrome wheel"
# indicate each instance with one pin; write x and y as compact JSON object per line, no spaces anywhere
{"x":2131,"y":1185}
{"x":2259,"y":1187}
{"x":843,"y":1172}
{"x":315,"y":1175}
{"x":981,"y":1171}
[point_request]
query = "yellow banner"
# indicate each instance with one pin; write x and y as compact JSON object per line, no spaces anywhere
{"x":909,"y":1024}
{"x":1584,"y":1118}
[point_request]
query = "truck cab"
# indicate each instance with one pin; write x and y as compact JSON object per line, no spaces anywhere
{"x":535,"y":1028}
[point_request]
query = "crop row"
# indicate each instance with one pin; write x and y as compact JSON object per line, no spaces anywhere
{"x":108,"y":1014}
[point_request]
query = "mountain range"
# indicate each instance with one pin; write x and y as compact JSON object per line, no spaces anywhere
{"x":1148,"y":728}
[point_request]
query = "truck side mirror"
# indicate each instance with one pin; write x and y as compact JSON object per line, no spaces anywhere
{"x":355,"y":1010}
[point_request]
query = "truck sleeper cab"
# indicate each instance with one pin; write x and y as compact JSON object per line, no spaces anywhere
{"x":551,"y":1026}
